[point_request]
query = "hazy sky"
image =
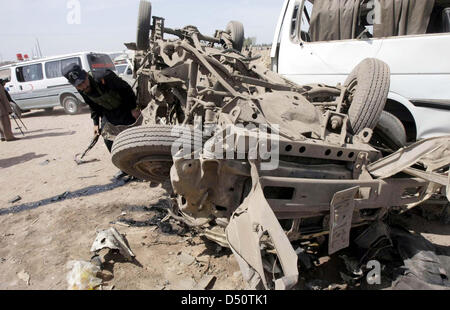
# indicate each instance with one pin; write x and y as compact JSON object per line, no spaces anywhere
{"x":107,"y":24}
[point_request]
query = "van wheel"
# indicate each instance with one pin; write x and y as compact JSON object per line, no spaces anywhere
{"x":368,"y":86}
{"x":389,"y":132}
{"x":71,"y":105}
{"x":143,"y":28}
{"x":236,"y":30}
{"x":145,"y":152}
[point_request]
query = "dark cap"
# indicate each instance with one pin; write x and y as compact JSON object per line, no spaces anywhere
{"x":74,"y":74}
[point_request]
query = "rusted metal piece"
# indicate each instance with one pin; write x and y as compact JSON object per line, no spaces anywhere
{"x":112,"y":240}
{"x":342,"y":208}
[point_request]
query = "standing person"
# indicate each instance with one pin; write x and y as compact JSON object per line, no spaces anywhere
{"x":3,"y":83}
{"x":110,"y":99}
{"x":5,"y":111}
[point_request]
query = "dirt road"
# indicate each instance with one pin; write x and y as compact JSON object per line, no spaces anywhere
{"x":63,"y":205}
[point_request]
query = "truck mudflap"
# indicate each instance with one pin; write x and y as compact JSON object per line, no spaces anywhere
{"x":250,"y":222}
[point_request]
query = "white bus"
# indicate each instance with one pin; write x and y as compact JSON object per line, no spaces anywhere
{"x":39,"y":84}
{"x":321,"y":41}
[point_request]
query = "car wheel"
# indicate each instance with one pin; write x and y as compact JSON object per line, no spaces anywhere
{"x":143,"y":27}
{"x":389,"y":132}
{"x":368,"y":88}
{"x":71,"y":105}
{"x":236,"y":30}
{"x":146,"y":152}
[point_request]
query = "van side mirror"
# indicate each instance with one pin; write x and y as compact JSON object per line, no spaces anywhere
{"x":129,"y":71}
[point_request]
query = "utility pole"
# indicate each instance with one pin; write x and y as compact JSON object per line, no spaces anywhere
{"x":39,"y":48}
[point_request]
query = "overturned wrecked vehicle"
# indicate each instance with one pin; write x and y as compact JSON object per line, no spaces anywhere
{"x":260,"y":162}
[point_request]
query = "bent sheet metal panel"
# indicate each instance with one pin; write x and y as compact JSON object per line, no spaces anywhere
{"x":342,"y":208}
{"x":408,"y":156}
{"x":248,"y":224}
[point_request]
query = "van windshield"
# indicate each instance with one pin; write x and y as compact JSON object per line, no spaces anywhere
{"x":121,"y":68}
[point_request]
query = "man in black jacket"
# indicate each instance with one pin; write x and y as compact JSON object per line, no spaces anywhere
{"x":108,"y":96}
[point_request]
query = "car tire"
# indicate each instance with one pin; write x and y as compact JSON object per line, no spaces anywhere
{"x":143,"y":27}
{"x":390,"y":132}
{"x":236,"y":30}
{"x":145,"y":152}
{"x":368,"y":85}
{"x":71,"y":105}
{"x":143,"y":94}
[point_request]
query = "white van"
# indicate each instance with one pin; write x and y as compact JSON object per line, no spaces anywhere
{"x":39,"y":84}
{"x":321,"y":41}
{"x":124,"y":67}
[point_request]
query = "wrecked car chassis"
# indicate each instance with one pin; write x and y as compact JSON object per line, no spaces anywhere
{"x":214,"y":119}
{"x":281,"y":204}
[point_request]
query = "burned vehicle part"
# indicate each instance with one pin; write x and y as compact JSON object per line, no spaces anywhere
{"x":113,"y":240}
{"x":265,"y":162}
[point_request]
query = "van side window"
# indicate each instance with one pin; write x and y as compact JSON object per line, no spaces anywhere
{"x":305,"y":21}
{"x":99,"y":63}
{"x":294,"y":21}
{"x":53,"y":69}
{"x":30,"y":73}
{"x":66,"y":62}
{"x":326,"y":20}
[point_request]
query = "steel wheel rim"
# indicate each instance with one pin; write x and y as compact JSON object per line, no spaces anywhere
{"x":70,"y":105}
{"x":154,"y":168}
